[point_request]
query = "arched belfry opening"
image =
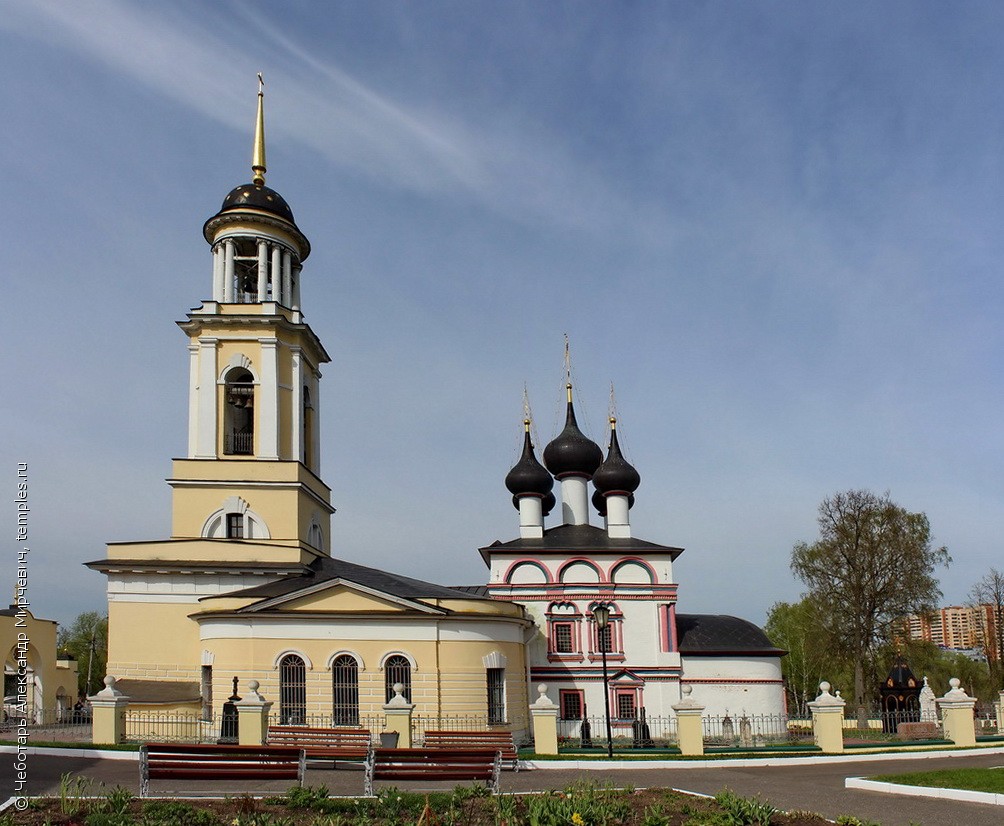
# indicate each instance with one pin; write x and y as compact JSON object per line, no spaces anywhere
{"x":238,"y":424}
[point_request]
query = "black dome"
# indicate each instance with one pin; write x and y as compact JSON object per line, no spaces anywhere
{"x":528,"y":475}
{"x":616,"y":473}
{"x":257,"y":197}
{"x":572,"y":451}
{"x":547,"y":503}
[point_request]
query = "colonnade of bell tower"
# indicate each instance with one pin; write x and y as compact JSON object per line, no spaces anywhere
{"x":254,"y":380}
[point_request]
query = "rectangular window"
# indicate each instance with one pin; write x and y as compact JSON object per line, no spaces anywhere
{"x":496,"y":695}
{"x":235,"y":526}
{"x":563,"y":638}
{"x":571,"y":704}
{"x":604,"y":638}
{"x":625,"y":705}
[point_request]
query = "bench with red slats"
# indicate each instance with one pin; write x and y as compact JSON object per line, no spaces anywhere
{"x":468,"y":739}
{"x":177,"y":761}
{"x":433,"y":764}
{"x":324,"y":743}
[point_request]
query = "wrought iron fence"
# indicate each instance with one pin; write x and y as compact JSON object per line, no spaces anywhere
{"x":171,"y":727}
{"x":755,"y":730}
{"x":422,"y":723}
{"x":374,"y":722}
{"x":63,"y":724}
{"x":591,"y":732}
{"x":986,"y":722}
{"x":897,"y":726}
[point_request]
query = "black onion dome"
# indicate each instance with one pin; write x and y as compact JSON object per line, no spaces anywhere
{"x":528,"y":475}
{"x":572,"y":451}
{"x":257,"y":197}
{"x":616,"y":473}
{"x":547,"y":503}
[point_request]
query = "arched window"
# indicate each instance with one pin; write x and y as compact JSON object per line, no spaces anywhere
{"x":238,"y":426}
{"x":397,"y":669}
{"x":292,"y":690}
{"x":345,"y":691}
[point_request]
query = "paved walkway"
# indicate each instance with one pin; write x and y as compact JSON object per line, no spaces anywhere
{"x":818,"y":788}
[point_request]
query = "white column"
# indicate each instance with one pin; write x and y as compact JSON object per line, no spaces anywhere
{"x":218,"y":273}
{"x":205,"y":442}
{"x":262,"y":270}
{"x":268,"y":412}
{"x":575,"y":500}
{"x":618,"y":522}
{"x":276,"y":270}
{"x":287,"y":278}
{"x":315,"y":400}
{"x":228,"y":272}
{"x":531,"y":517}
{"x":193,"y":399}
{"x":296,"y":442}
{"x":296,"y":286}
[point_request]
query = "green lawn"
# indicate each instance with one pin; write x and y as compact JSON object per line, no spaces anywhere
{"x":976,"y":780}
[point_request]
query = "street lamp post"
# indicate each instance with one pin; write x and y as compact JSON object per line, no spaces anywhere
{"x":601,"y":613}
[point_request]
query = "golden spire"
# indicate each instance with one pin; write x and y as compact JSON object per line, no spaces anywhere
{"x":258,"y":154}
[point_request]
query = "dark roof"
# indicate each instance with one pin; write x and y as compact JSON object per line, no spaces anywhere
{"x":257,"y":197}
{"x":582,"y":538}
{"x":159,"y":691}
{"x":325,"y":569}
{"x":718,"y":634}
{"x":473,"y":590}
{"x":901,"y":676}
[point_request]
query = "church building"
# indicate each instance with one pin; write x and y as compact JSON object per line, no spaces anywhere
{"x":246,"y":585}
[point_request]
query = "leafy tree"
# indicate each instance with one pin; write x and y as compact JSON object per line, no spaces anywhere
{"x":987,"y":596}
{"x":872,"y":565}
{"x":798,"y":628}
{"x":87,"y":640}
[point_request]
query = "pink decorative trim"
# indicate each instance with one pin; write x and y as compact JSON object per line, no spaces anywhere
{"x":529,"y":560}
{"x":585,"y":561}
{"x":627,"y":559}
{"x":674,"y":643}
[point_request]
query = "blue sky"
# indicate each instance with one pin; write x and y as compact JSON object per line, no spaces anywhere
{"x":775,"y":227}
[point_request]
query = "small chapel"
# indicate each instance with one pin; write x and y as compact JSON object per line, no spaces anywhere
{"x":246,"y":585}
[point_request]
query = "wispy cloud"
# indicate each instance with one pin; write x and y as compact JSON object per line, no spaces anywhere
{"x":518,"y":170}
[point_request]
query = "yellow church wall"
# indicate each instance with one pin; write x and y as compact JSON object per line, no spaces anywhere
{"x":211,"y":550}
{"x":447,"y":677}
{"x":278,"y":508}
{"x":36,"y":639}
{"x":151,"y":640}
{"x":343,"y":599}
{"x":217,"y":470}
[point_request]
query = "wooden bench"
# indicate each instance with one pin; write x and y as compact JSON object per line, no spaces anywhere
{"x":432,"y":764}
{"x":324,"y":743}
{"x":501,"y":740}
{"x":176,"y":761}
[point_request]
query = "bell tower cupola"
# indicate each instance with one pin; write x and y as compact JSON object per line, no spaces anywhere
{"x":258,"y":250}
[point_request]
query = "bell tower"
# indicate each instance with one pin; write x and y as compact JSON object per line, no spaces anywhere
{"x":253,"y":459}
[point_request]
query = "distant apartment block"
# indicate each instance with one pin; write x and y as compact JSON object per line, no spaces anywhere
{"x":956,"y":626}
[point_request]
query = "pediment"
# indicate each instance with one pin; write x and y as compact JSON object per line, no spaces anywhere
{"x":626,"y":677}
{"x":342,"y":596}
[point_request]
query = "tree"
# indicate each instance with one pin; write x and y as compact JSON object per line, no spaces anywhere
{"x":796,"y":627}
{"x":872,"y":566}
{"x":987,"y":597}
{"x":87,"y":640}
